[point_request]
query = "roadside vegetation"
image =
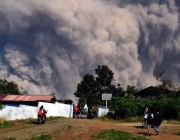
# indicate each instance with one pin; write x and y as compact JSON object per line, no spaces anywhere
{"x":41,"y":137}
{"x":117,"y":135}
{"x":5,"y":123}
{"x":36,"y":137}
{"x":102,"y":135}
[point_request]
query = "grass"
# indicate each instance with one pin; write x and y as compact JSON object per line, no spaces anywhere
{"x":171,"y":122}
{"x":105,"y":118}
{"x":41,"y":137}
{"x":117,"y":135}
{"x":127,"y":120}
{"x":10,"y":139}
{"x":4,"y":123}
{"x":34,"y":121}
{"x":177,"y":133}
{"x":69,"y":127}
{"x":137,"y":119}
{"x":51,"y":118}
{"x":35,"y":137}
{"x":133,"y":119}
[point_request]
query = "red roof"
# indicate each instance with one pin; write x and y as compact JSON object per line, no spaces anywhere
{"x":7,"y":97}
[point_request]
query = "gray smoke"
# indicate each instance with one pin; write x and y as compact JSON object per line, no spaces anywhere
{"x":48,"y":46}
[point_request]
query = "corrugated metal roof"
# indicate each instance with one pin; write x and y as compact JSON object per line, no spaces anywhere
{"x":7,"y":97}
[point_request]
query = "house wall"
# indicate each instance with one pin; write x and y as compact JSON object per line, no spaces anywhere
{"x":13,"y":112}
{"x":25,"y":111}
{"x":57,"y":109}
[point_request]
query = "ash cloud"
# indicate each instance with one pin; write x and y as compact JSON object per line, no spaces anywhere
{"x":48,"y":46}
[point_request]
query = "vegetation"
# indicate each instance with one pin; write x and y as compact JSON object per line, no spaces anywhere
{"x":10,"y":138}
{"x":41,"y":137}
{"x":90,"y":89}
{"x":8,"y":87}
{"x":35,"y":137}
{"x":117,"y":135}
{"x":124,"y":108}
{"x":123,"y":103}
{"x":176,"y":133}
{"x":130,"y":90}
{"x":5,"y":123}
{"x":52,"y":118}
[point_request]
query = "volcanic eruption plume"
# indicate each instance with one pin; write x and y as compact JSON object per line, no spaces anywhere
{"x":48,"y":46}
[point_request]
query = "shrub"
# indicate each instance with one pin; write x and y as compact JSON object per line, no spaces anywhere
{"x":168,"y":107}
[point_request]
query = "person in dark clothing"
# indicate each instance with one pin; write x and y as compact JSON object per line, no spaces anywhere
{"x":150,"y":121}
{"x":44,"y":113}
{"x":157,"y":122}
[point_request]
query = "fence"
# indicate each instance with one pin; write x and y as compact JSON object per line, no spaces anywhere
{"x":25,"y":111}
{"x":13,"y":112}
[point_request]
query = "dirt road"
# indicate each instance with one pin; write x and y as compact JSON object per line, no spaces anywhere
{"x":84,"y":129}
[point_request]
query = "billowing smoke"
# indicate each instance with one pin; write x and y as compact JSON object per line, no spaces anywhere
{"x":48,"y":46}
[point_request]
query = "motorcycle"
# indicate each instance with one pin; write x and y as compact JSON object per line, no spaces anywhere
{"x":42,"y":118}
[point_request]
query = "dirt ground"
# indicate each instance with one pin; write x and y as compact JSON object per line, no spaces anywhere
{"x":84,"y":129}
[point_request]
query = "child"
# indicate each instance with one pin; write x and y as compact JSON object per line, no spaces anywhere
{"x":150,"y":121}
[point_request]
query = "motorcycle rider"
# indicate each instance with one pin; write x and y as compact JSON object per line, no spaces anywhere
{"x":42,"y":113}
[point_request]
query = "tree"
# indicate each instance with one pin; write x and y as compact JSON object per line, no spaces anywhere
{"x":91,"y":88}
{"x":104,"y":76}
{"x":8,"y":87}
{"x":130,"y":91}
{"x":87,"y":90}
{"x":166,"y":88}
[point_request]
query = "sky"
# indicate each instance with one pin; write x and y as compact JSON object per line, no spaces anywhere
{"x":48,"y":46}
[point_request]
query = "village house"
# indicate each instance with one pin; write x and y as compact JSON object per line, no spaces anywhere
{"x":150,"y":92}
{"x":31,"y":100}
{"x":26,"y":106}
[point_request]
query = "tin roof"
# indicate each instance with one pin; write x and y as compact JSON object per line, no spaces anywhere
{"x":150,"y":91}
{"x":7,"y":97}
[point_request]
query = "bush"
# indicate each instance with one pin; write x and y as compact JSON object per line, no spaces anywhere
{"x":168,"y":107}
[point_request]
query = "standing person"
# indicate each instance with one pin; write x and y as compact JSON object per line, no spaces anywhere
{"x":75,"y":111}
{"x":145,"y":111}
{"x":84,"y":111}
{"x":157,"y":122}
{"x":144,"y":123}
{"x":150,"y":121}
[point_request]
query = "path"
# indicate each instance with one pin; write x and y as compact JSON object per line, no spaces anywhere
{"x":84,"y":129}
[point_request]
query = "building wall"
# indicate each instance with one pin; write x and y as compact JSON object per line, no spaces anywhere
{"x":25,"y":111}
{"x":57,"y":109}
{"x":102,"y":111}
